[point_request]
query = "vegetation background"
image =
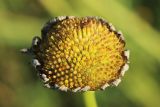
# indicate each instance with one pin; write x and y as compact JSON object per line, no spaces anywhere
{"x":21,"y":20}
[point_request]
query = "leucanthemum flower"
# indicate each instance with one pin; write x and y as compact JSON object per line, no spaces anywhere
{"x":79,"y":54}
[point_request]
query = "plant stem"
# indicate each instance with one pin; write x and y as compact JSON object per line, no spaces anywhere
{"x":90,"y":100}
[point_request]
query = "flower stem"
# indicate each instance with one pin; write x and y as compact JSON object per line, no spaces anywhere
{"x":90,"y":100}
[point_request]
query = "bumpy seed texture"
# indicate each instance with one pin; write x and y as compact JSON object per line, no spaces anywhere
{"x":80,"y":54}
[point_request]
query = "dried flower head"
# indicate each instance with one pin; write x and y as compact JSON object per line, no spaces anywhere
{"x":79,"y":54}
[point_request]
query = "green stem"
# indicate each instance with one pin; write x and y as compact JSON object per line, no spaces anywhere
{"x":90,"y":100}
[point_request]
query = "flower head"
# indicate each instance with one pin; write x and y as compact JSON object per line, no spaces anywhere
{"x":79,"y":54}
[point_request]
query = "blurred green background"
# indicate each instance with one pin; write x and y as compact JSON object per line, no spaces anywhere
{"x":21,"y":20}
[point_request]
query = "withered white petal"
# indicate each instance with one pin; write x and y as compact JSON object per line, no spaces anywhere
{"x":104,"y":86}
{"x":35,"y":41}
{"x":86,"y":88}
{"x":35,"y":63}
{"x":47,"y":85}
{"x":61,"y":17}
{"x":77,"y":89}
{"x":126,"y":53}
{"x":112,"y":27}
{"x":121,"y":35}
{"x":124,"y":69}
{"x":63,"y":88}
{"x":45,"y":79}
{"x":24,"y":50}
{"x":116,"y":82}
